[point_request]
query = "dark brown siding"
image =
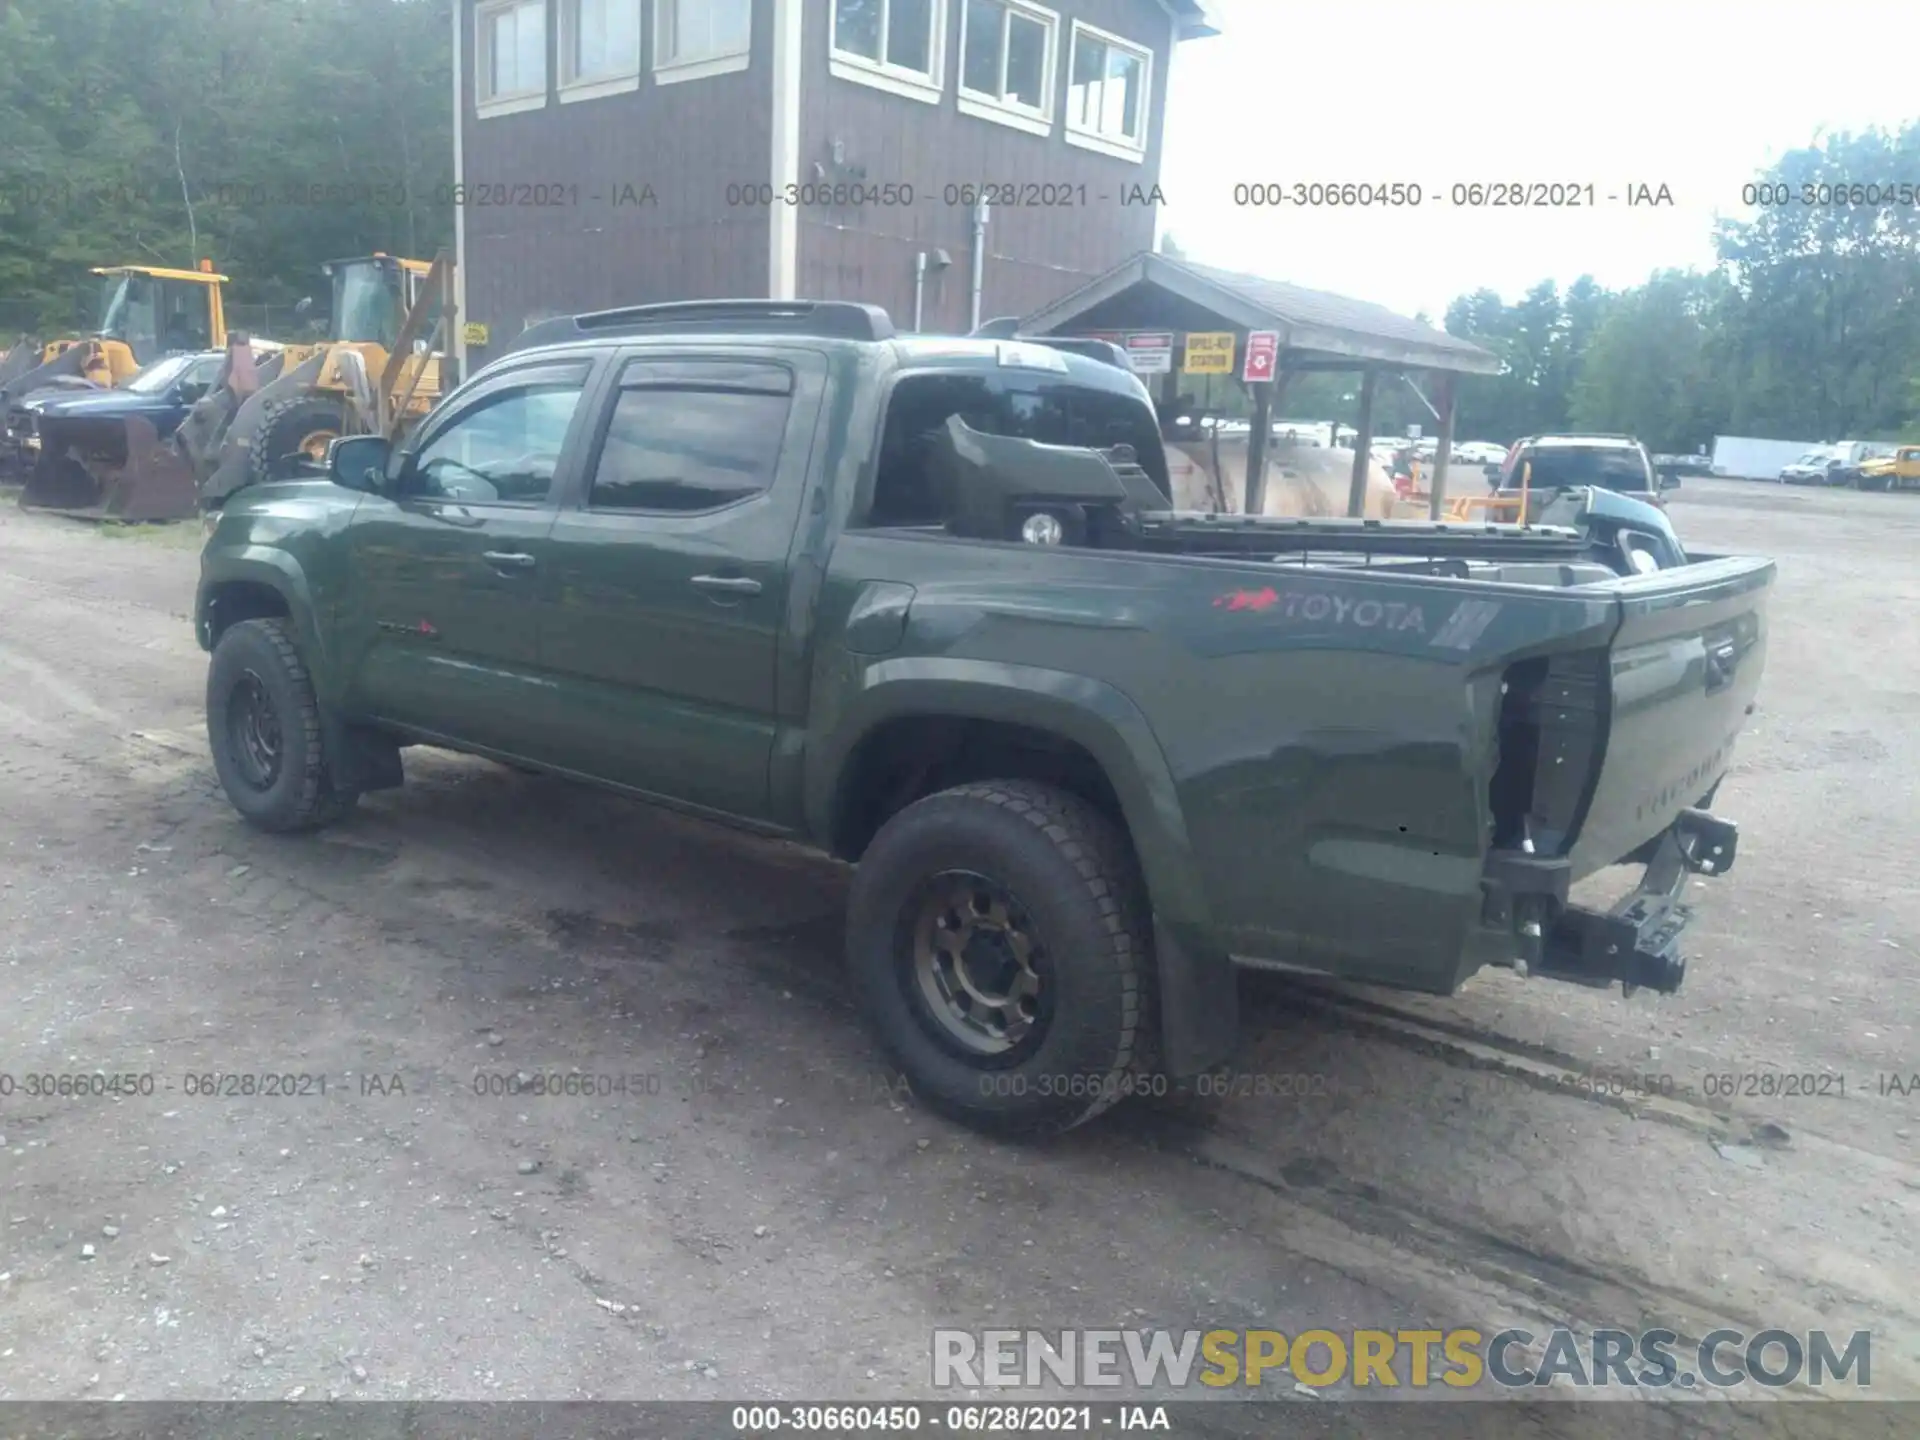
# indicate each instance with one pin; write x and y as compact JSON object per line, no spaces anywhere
{"x":688,"y":141}
{"x":1034,"y":255}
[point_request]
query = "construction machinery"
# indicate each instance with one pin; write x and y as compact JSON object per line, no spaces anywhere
{"x":378,"y":372}
{"x":142,"y":314}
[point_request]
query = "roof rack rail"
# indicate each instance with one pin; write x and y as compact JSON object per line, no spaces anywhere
{"x":1007,"y":327}
{"x":831,"y":319}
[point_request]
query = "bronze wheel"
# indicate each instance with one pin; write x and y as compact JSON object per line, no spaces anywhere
{"x":999,"y":939}
{"x":978,"y":964}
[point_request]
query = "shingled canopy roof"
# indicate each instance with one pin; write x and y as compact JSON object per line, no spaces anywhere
{"x":1193,"y":19}
{"x":1157,"y":292}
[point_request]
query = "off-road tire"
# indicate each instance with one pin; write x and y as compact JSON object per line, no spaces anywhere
{"x":283,"y":425}
{"x":1073,"y":873}
{"x":302,"y":795}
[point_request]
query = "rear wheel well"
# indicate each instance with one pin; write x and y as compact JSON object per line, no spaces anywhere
{"x":909,"y":758}
{"x":241,"y":600}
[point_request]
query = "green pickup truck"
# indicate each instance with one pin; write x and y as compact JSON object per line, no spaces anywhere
{"x":922,"y":602}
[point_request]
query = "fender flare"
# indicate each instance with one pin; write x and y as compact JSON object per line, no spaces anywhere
{"x":277,"y":571}
{"x":1198,"y":993}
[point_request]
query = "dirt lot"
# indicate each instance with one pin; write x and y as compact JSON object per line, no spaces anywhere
{"x":761,"y":1215}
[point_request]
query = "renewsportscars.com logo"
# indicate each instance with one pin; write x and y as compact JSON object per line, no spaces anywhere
{"x":1390,"y":1359}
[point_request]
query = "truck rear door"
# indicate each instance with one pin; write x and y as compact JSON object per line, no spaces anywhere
{"x":661,"y":612}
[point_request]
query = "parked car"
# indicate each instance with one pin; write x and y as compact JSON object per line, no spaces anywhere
{"x":1679,"y":465}
{"x":1817,"y":467}
{"x":922,"y":603}
{"x":1479,"y":452}
{"x":163,"y":393}
{"x":1550,"y":463}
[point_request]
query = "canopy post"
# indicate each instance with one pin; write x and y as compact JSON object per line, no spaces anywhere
{"x":1443,"y":453}
{"x":1362,"y":447}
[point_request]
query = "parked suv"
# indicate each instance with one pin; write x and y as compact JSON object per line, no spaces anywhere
{"x":1552,"y":463}
{"x":921,"y":602}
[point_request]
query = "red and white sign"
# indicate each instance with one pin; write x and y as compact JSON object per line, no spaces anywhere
{"x":1150,"y":352}
{"x":1263,"y":355}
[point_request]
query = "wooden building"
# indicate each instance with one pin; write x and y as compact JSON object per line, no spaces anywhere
{"x":615,"y":152}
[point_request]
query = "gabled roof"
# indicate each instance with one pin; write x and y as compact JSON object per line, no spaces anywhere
{"x":1324,"y":325}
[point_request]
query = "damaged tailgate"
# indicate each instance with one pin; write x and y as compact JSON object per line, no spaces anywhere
{"x":1683,"y":669}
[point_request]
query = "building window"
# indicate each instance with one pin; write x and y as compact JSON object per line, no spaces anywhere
{"x":1006,"y":63}
{"x":693,"y":38}
{"x":1107,"y":93}
{"x":895,"y":45}
{"x":599,"y":47}
{"x":510,"y":57}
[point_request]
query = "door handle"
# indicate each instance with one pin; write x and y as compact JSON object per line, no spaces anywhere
{"x":509,"y":559}
{"x":727,"y":584}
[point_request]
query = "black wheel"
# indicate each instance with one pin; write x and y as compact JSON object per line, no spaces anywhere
{"x":998,"y":939}
{"x":263,"y":722}
{"x":291,"y":430}
{"x":1871,"y":482}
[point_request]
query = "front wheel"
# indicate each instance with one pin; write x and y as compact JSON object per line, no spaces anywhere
{"x":998,"y":939}
{"x":263,"y":722}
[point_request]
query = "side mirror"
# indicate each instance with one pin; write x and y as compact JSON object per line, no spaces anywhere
{"x":190,"y":393}
{"x":303,"y":305}
{"x":359,"y":462}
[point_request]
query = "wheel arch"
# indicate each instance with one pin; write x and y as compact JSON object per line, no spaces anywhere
{"x":945,"y":702}
{"x":256,"y":583}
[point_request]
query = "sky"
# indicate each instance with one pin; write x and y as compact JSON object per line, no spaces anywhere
{"x":1696,"y":95}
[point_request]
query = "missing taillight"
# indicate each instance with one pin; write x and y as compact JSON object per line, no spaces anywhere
{"x":1552,"y":730}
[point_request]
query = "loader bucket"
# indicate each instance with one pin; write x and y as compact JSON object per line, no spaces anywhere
{"x":203,"y":432}
{"x":109,"y":470}
{"x":24,"y":356}
{"x":234,"y":470}
{"x":64,"y":368}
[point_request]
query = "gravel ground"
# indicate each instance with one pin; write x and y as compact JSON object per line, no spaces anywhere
{"x":762,"y":1214}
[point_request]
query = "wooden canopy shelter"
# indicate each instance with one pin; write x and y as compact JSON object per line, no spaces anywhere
{"x":1153,"y":297}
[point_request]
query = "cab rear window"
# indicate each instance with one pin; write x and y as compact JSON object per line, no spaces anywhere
{"x":1030,"y":407}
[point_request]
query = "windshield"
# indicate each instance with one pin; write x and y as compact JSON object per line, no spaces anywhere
{"x":127,"y":308}
{"x":161,"y":377}
{"x":366,"y":304}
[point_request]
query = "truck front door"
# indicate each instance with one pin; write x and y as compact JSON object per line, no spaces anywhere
{"x":440,"y":612}
{"x":665,"y":600}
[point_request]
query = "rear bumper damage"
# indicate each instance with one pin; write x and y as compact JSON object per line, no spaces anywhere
{"x":1635,"y":943}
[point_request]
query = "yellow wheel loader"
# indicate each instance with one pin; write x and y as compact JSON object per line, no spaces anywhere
{"x":378,"y":373}
{"x":143,"y":313}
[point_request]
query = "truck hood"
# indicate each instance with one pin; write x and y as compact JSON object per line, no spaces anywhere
{"x":268,"y":514}
{"x":74,"y":404}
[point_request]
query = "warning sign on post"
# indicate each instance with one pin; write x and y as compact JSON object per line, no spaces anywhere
{"x":1263,"y":355}
{"x":1150,"y":352}
{"x":1209,"y":354}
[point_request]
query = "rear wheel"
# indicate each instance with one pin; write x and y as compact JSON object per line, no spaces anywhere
{"x":263,"y":722}
{"x":297,"y":428}
{"x":999,"y":942}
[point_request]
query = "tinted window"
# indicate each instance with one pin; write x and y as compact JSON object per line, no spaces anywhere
{"x":1029,"y":408}
{"x":507,"y":447}
{"x":684,"y":450}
